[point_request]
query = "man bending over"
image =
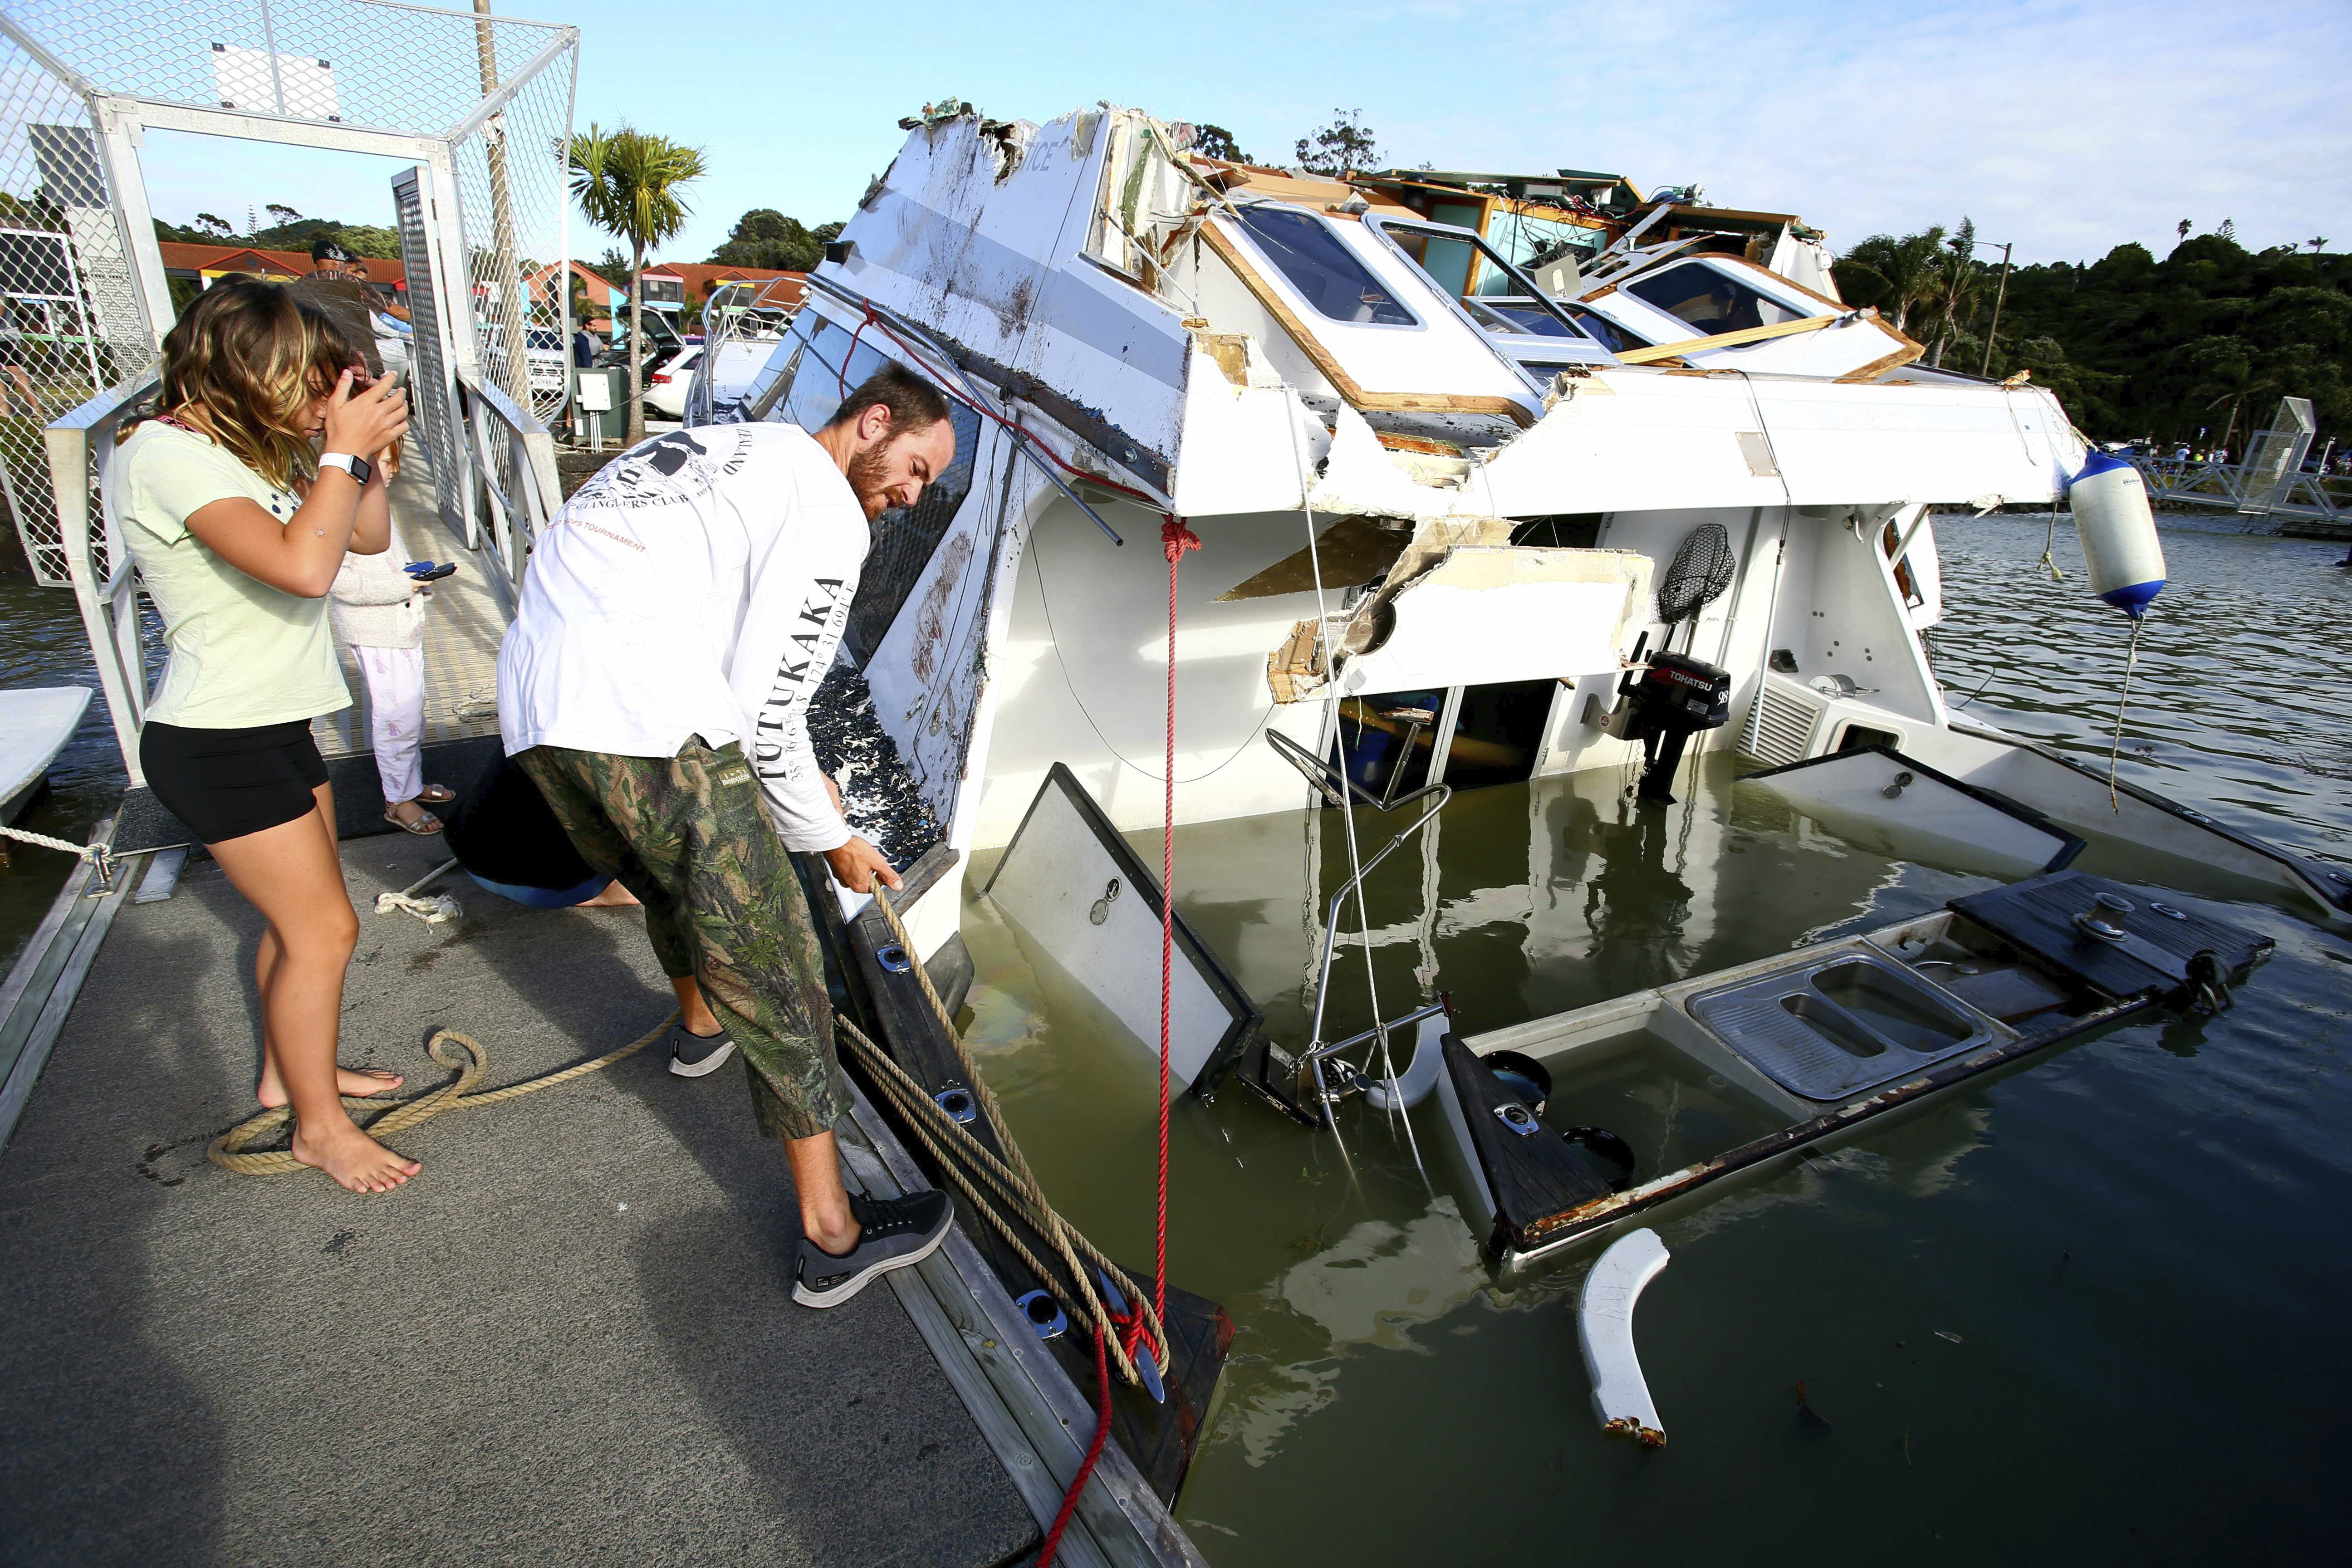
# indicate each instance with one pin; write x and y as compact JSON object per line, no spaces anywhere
{"x":678,"y":616}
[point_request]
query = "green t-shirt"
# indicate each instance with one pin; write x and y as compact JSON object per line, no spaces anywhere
{"x":243,"y":653}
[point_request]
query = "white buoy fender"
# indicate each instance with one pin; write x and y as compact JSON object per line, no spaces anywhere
{"x":2119,"y":533}
{"x":1605,"y":1328}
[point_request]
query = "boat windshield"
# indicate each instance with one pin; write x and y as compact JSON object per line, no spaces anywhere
{"x":1711,"y":300}
{"x":1323,"y":269}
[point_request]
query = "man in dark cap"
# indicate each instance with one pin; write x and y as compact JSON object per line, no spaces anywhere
{"x":336,"y":284}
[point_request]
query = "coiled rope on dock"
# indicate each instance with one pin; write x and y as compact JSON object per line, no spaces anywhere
{"x":227,"y":1151}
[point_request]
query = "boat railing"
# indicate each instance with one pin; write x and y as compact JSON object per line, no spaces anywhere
{"x":508,"y":455}
{"x":2248,"y":487}
{"x":80,"y":446}
{"x":513,"y":456}
{"x":1337,"y":787}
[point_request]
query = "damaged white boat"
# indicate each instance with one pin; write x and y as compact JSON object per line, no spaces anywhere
{"x":1495,"y":477}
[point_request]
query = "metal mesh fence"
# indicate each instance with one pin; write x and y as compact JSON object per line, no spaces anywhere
{"x":71,"y":317}
{"x":513,"y":188}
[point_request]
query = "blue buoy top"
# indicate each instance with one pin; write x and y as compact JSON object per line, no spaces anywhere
{"x":2095,"y":464}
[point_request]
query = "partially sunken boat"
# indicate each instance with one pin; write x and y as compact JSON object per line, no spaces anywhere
{"x":1496,"y":478}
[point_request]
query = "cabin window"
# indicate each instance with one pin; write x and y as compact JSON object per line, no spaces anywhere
{"x":1712,"y":301}
{"x":1498,"y":733}
{"x":1608,"y":333}
{"x":1322,"y":268}
{"x":1517,"y":316}
{"x":1386,"y":740}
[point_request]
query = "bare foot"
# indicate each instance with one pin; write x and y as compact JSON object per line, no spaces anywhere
{"x":613,"y":897}
{"x":355,"y":1160}
{"x":358,"y":1083}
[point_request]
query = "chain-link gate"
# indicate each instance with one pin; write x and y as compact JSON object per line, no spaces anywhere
{"x":481,"y":104}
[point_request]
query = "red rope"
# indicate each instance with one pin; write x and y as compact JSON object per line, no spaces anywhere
{"x":1174,"y":540}
{"x":1094,"y":1452}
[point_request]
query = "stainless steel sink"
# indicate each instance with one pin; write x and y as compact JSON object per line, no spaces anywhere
{"x":1831,"y":1027}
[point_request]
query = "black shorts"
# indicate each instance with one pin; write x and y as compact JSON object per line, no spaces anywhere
{"x":226,"y":784}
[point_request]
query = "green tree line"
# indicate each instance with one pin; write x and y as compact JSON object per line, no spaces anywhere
{"x":2206,"y":340}
{"x":292,"y":231}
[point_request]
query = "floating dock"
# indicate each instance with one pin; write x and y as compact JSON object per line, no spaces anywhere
{"x":570,"y":1340}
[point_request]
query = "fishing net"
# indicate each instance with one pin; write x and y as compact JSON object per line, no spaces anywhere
{"x":1699,"y":573}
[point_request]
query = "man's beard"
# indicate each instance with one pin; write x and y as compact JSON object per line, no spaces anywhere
{"x":866,"y":481}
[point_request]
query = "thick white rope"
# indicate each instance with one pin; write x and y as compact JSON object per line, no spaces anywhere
{"x":432,"y":911}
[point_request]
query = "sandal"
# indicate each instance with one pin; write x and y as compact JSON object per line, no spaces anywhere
{"x":426,"y":825}
{"x":436,"y":795}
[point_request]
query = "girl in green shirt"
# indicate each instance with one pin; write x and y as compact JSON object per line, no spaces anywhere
{"x":238,"y":530}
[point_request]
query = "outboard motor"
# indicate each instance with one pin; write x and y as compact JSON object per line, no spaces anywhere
{"x":1677,"y":697}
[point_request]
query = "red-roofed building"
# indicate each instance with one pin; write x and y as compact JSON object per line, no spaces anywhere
{"x":206,"y":264}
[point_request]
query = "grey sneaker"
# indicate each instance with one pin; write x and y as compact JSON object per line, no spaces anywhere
{"x":893,"y":1233}
{"x":691,"y":1055}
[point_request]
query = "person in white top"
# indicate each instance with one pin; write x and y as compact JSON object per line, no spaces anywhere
{"x":678,"y":616}
{"x":377,"y":610}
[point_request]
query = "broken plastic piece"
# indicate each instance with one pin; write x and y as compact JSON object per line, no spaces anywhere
{"x":1604,"y":1328}
{"x":1420,"y":1075}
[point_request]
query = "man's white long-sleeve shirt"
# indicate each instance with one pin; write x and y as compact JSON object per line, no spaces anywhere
{"x":698,"y":585}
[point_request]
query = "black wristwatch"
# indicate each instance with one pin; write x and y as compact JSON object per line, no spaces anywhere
{"x":359,"y":469}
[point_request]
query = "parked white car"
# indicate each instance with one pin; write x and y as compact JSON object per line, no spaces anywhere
{"x":666,"y":388}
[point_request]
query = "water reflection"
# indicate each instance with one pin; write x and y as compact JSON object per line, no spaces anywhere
{"x":2059,"y":1220}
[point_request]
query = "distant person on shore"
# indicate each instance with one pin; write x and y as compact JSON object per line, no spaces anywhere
{"x":238,"y":530}
{"x":15,"y":385}
{"x":336,"y":284}
{"x":378,"y":612}
{"x":678,"y":615}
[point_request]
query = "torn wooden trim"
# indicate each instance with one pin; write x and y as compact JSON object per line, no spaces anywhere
{"x":1728,"y":340}
{"x":1895,"y":361}
{"x":1345,"y":384}
{"x":1294,"y":671}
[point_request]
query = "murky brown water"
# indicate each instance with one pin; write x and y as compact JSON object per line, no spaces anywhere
{"x":2091,"y":1312}
{"x":2088,"y":1312}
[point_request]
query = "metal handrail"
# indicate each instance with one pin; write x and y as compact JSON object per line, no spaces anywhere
{"x":1325,"y":777}
{"x":107,"y":600}
{"x":521,"y":501}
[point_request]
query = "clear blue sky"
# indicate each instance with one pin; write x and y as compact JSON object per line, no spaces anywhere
{"x":2065,"y":127}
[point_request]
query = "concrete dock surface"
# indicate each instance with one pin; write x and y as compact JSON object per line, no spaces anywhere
{"x":570,"y":1340}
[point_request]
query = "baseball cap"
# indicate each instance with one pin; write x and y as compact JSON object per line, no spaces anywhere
{"x":329,"y":250}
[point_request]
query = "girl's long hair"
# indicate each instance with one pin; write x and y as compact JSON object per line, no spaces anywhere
{"x":242,"y":364}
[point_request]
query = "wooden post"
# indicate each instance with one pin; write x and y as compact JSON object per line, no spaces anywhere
{"x":1984,"y":366}
{"x":506,"y":270}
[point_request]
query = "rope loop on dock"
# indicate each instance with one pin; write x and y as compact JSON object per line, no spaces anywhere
{"x":461,"y":1054}
{"x":98,"y":855}
{"x":1003,"y":1190}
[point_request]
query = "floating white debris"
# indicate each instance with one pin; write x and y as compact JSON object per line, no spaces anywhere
{"x":1605,"y":1328}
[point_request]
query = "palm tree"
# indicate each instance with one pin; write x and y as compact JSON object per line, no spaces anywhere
{"x":1907,"y":268}
{"x":1956,"y":282}
{"x":626,"y":183}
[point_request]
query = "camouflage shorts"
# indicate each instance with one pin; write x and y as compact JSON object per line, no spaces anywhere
{"x":690,"y":837}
